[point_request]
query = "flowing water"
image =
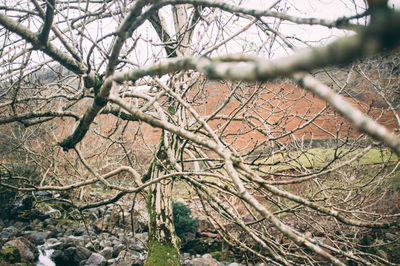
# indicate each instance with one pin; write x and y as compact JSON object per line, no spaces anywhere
{"x":44,"y":256}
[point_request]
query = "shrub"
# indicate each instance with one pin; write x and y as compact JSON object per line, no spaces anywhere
{"x":183,"y":219}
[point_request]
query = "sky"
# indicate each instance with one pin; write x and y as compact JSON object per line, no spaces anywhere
{"x":253,"y":40}
{"x":314,"y":35}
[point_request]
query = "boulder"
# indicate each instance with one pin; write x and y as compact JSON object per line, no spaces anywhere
{"x":59,"y":258}
{"x":203,"y":261}
{"x":26,"y":249}
{"x":81,"y":253}
{"x":139,"y":243}
{"x":96,"y":259}
{"x":9,"y":255}
{"x":127,"y":258}
{"x":70,"y":252}
{"x":9,"y":232}
{"x":53,"y":243}
{"x":36,"y":237}
{"x":107,"y":253}
{"x":117,"y":249}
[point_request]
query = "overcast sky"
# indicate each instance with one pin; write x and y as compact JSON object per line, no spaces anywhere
{"x":149,"y":48}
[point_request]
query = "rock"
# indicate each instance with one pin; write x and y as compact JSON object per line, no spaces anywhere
{"x":20,"y":225}
{"x":36,"y":223}
{"x":9,"y":232}
{"x":90,"y":246}
{"x":112,"y":262}
{"x":104,"y":236}
{"x":23,"y":203}
{"x":70,"y":252}
{"x":27,"y":250}
{"x":140,"y":221}
{"x":115,"y":242}
{"x":69,"y":232}
{"x":10,"y":255}
{"x":185,"y":256}
{"x":234,"y":264}
{"x":36,"y":237}
{"x":206,"y":256}
{"x":390,"y":236}
{"x":49,"y":221}
{"x":53,"y":230}
{"x":78,"y":230}
{"x":81,"y":253}
{"x":126,"y":258}
{"x":85,"y":238}
{"x":107,"y":253}
{"x":117,"y":249}
{"x":53,"y":243}
{"x":96,"y":259}
{"x":139,"y":243}
{"x":202,"y":262}
{"x":105,"y":243}
{"x":100,"y":226}
{"x":74,"y":241}
{"x":60,"y":258}
{"x":48,"y":211}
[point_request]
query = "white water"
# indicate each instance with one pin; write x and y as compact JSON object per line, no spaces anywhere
{"x":44,"y":256}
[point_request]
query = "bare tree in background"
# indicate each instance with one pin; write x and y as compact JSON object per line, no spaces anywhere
{"x":97,"y":77}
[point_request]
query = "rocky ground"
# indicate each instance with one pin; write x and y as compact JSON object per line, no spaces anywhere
{"x":40,"y":235}
{"x":39,"y":230}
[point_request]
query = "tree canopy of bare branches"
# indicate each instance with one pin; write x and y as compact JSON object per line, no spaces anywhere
{"x":155,"y":97}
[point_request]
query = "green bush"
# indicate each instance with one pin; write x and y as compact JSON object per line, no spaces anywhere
{"x":183,"y":219}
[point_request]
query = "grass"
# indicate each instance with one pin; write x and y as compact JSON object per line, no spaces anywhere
{"x":317,"y":158}
{"x":314,"y":158}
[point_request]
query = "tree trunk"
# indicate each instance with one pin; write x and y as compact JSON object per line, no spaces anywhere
{"x":164,"y":244}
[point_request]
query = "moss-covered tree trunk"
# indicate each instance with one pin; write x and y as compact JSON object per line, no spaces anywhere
{"x":164,"y":244}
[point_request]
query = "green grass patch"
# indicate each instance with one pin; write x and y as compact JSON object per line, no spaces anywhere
{"x":317,"y":158}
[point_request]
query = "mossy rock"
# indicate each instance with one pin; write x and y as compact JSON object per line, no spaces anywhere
{"x":217,"y":255}
{"x":51,"y":210}
{"x":9,"y":255}
{"x":162,"y":254}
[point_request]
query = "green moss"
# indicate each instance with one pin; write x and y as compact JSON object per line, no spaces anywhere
{"x":162,"y":255}
{"x":217,"y":255}
{"x":9,"y":255}
{"x":67,"y":221}
{"x":159,"y":254}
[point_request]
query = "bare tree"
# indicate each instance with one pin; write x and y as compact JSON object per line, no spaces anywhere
{"x":99,"y":77}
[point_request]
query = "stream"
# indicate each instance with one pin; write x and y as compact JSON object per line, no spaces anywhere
{"x":44,"y":256}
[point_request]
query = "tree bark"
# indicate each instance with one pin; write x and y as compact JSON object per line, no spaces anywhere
{"x":164,"y":244}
